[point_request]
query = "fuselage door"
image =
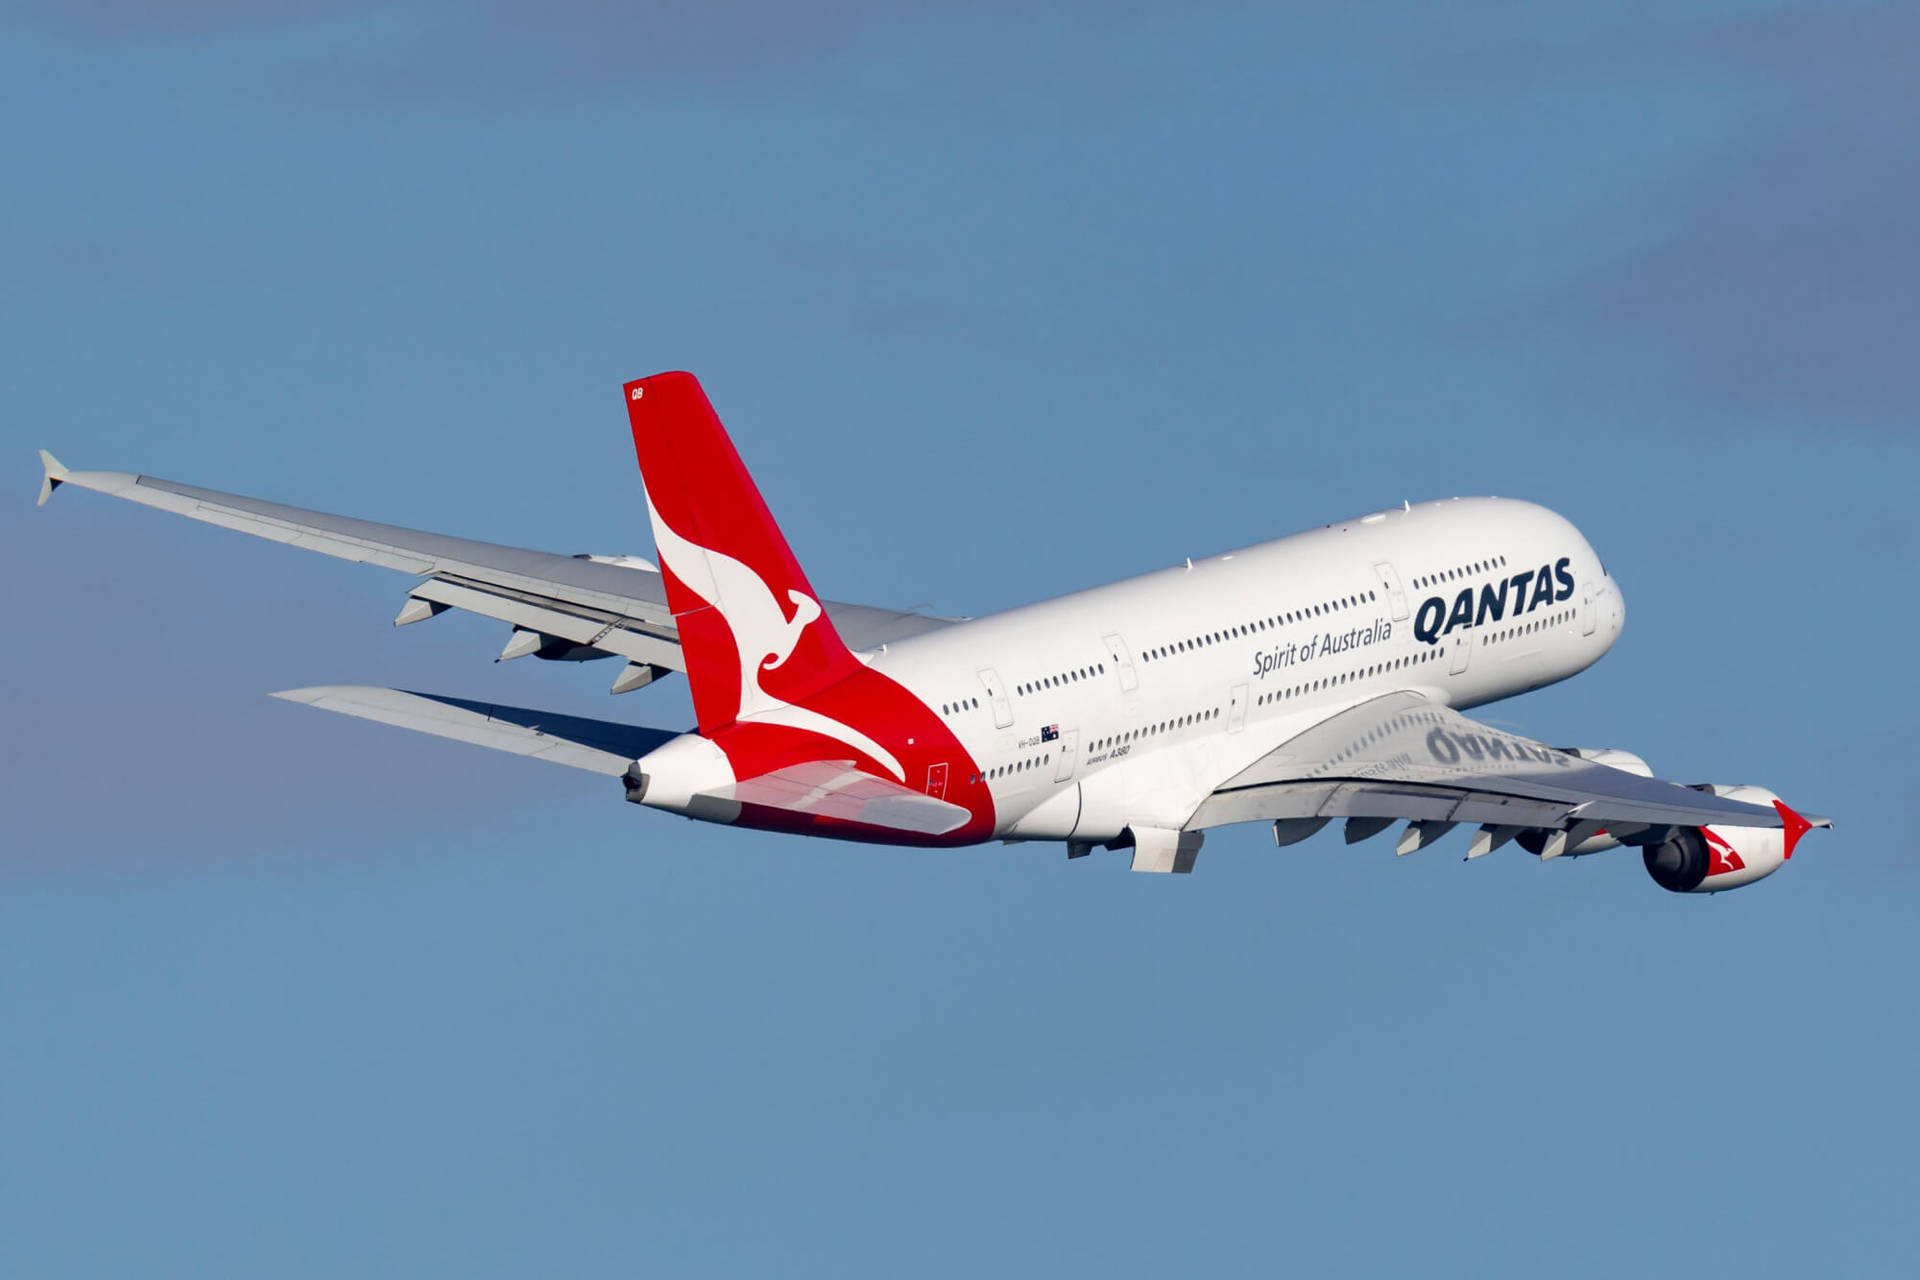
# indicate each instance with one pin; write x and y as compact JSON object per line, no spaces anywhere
{"x":937,"y":780}
{"x":1237,"y":709}
{"x":997,"y":698}
{"x":1462,"y":651}
{"x":1069,"y":751}
{"x":1589,"y":616}
{"x":1122,"y":663}
{"x":1390,"y":584}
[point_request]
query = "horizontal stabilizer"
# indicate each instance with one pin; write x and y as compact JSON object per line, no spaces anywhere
{"x":837,"y":790}
{"x":596,"y":745}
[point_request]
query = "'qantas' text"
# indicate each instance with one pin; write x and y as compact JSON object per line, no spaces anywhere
{"x":1550,"y":584}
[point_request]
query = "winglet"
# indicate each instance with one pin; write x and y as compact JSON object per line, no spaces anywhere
{"x":56,"y":475}
{"x":1797,"y":826}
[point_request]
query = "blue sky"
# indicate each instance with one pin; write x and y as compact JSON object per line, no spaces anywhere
{"x":999,"y":301}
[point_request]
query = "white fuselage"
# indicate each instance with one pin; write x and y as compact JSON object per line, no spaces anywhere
{"x":1128,"y":703}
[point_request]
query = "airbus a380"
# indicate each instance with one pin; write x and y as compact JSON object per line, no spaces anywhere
{"x":1316,"y":678}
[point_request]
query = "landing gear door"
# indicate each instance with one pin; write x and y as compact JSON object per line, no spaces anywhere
{"x":1122,"y":663}
{"x":1390,"y":586}
{"x":997,"y":698}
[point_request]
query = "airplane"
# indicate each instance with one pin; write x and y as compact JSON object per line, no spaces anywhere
{"x":1315,"y":678}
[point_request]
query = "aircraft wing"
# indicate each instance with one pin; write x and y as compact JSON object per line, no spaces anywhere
{"x":614,"y":608}
{"x":1400,"y":756}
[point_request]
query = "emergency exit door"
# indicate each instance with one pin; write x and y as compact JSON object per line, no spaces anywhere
{"x":997,"y":697}
{"x":1396,"y":595}
{"x":1122,"y":663}
{"x":1069,"y":748}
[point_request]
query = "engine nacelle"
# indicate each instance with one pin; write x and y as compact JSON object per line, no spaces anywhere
{"x":1710,"y":859}
{"x":1614,"y":758}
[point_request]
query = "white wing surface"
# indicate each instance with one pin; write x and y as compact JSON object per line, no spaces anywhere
{"x":1400,"y":756}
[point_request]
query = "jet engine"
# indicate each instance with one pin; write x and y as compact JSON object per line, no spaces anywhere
{"x":1710,"y":859}
{"x":1614,"y":758}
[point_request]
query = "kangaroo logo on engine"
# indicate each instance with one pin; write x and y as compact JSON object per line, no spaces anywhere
{"x":1550,"y":584}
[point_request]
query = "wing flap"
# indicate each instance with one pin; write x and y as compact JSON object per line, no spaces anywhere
{"x":638,"y":641}
{"x":1357,"y":799}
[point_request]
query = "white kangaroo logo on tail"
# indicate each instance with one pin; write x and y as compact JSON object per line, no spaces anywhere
{"x":805,"y":610}
{"x":762,"y":632}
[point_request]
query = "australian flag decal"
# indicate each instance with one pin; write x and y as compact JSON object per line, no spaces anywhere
{"x":1049,"y":732}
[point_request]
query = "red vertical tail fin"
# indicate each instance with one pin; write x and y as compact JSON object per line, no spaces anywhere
{"x":751,"y":627}
{"x":773,"y":684}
